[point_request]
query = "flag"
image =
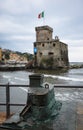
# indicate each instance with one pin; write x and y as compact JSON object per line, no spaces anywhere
{"x":41,"y":15}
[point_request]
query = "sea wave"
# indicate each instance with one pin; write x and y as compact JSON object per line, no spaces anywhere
{"x":22,"y":79}
{"x":64,"y":78}
{"x":17,"y":78}
{"x":6,"y":76}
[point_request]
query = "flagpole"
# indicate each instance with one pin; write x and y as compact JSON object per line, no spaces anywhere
{"x":44,"y":18}
{"x":41,"y":15}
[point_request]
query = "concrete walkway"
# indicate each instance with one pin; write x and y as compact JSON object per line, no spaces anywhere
{"x":79,"y":123}
{"x":70,"y":117}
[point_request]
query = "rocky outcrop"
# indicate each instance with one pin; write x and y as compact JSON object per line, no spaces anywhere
{"x":75,"y":66}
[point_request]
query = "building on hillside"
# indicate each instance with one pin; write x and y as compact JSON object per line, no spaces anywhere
{"x":49,"y":52}
{"x":0,"y":54}
{"x":17,"y":58}
{"x":14,"y":57}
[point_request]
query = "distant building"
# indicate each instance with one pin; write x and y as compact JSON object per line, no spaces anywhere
{"x":0,"y":54}
{"x":14,"y":56}
{"x":17,"y":58}
{"x":49,"y":52}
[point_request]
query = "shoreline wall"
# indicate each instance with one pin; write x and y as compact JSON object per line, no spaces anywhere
{"x":14,"y":68}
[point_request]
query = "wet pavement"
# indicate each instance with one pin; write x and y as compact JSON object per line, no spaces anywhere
{"x":69,"y":118}
{"x":79,"y":121}
{"x":71,"y":114}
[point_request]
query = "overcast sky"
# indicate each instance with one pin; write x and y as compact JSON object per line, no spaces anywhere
{"x":18,"y":19}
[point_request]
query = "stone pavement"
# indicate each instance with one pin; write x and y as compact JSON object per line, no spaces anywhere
{"x":79,"y":123}
{"x":70,"y":117}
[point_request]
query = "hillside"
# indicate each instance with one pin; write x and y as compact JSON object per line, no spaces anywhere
{"x":10,"y":55}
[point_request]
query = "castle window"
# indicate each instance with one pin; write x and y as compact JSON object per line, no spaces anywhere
{"x":50,"y":53}
{"x":43,"y":45}
{"x":34,"y":44}
{"x":53,"y":44}
{"x":47,"y":38}
{"x":40,"y":53}
{"x":62,"y":59}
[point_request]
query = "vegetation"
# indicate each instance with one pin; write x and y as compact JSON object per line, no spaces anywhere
{"x":28,"y":56}
{"x":6,"y":54}
{"x":47,"y":62}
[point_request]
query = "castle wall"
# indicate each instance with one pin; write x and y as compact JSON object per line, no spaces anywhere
{"x":50,"y":52}
{"x":0,"y":54}
{"x":43,"y":34}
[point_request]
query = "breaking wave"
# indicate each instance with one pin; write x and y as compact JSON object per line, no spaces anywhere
{"x":6,"y":76}
{"x":64,"y":78}
{"x":22,"y":79}
{"x":17,"y":78}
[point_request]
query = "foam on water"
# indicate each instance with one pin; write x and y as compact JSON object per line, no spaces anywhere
{"x":22,"y":79}
{"x":12,"y":79}
{"x":6,"y":76}
{"x":24,"y":89}
{"x":64,"y":78}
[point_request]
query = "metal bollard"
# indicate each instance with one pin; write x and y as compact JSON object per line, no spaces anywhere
{"x":7,"y":100}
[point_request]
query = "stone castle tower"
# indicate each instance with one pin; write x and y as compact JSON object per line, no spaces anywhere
{"x":49,"y":52}
{"x":0,"y":54}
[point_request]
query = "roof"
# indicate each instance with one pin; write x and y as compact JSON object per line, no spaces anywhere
{"x":44,"y":28}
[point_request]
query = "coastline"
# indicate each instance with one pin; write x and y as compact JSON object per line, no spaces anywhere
{"x":12,"y":67}
{"x":23,"y":67}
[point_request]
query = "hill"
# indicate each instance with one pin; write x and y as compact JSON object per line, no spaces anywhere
{"x":13,"y":55}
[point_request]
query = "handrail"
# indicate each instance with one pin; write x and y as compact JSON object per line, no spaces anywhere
{"x":8,"y":104}
{"x":67,"y":86}
{"x":14,"y":85}
{"x":56,"y":86}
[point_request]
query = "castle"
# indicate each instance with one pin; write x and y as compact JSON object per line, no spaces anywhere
{"x":0,"y":54}
{"x":49,"y":52}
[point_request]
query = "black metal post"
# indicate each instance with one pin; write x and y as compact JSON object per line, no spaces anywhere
{"x":35,"y":59}
{"x":7,"y":100}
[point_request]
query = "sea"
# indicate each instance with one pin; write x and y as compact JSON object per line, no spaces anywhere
{"x":57,"y":77}
{"x":70,"y":98}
